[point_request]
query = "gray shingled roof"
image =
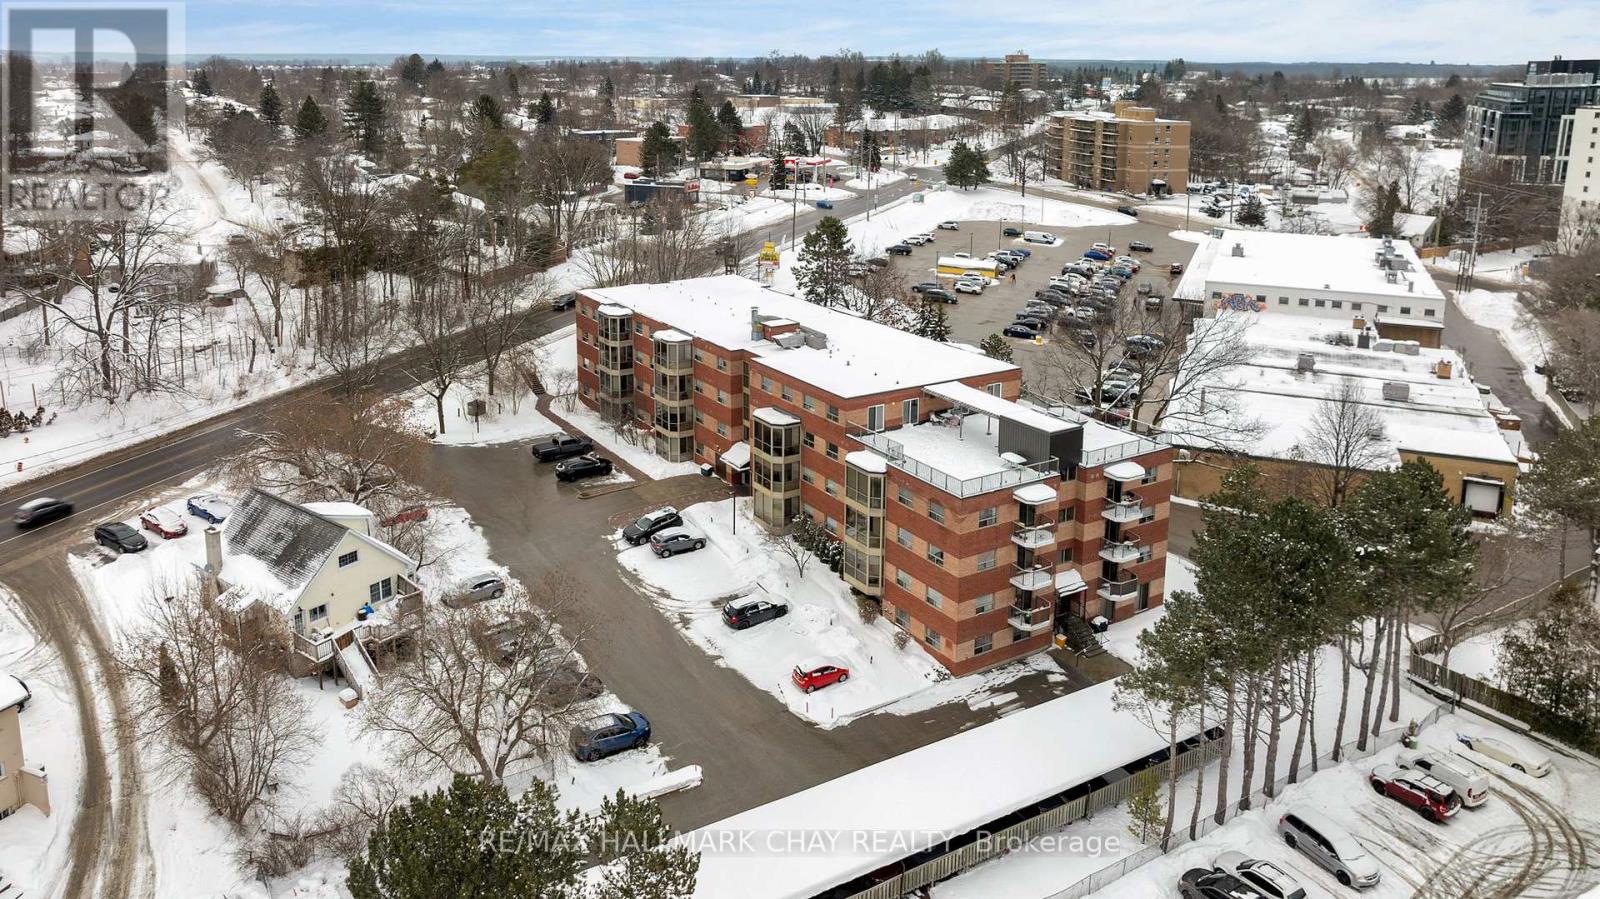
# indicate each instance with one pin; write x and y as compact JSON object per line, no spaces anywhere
{"x":290,"y":540}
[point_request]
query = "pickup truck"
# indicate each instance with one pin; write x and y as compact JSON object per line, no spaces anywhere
{"x":561,"y":446}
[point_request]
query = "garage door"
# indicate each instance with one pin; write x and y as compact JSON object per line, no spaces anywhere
{"x":1483,"y":497}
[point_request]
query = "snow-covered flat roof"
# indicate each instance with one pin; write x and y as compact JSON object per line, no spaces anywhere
{"x":1308,"y":263}
{"x":11,"y":691}
{"x":808,"y":842}
{"x":775,"y":417}
{"x":860,"y":357}
{"x":1000,"y":407}
{"x":867,"y":460}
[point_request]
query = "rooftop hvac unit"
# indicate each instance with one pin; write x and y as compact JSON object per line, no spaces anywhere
{"x":1238,"y":249}
{"x":1396,"y":391}
{"x":1306,"y":362}
{"x":792,"y":340}
{"x":1383,"y":346}
{"x":1391,"y":276}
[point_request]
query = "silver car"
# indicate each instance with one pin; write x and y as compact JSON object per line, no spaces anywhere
{"x":477,"y":589}
{"x":1329,"y":845}
{"x":1263,"y":876}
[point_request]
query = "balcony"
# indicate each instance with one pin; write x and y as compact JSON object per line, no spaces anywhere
{"x":1031,"y":619}
{"x":1033,"y":578}
{"x":390,"y":620}
{"x":1124,"y":553}
{"x":1124,"y":511}
{"x":1118,"y":590}
{"x":1033,"y":536}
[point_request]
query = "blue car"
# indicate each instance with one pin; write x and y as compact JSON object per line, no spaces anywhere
{"x":1122,"y":272}
{"x":1096,"y":255}
{"x":824,"y":204}
{"x":210,"y":506}
{"x":1024,"y":252}
{"x":609,"y":735}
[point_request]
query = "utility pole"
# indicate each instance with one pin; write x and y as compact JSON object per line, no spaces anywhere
{"x":1469,"y":260}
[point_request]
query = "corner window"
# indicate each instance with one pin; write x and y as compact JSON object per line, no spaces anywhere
{"x":348,"y":559}
{"x":833,"y":450}
{"x":833,"y":412}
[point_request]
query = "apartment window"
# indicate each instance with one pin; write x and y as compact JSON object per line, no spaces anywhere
{"x":807,"y":476}
{"x":380,"y":591}
{"x":1356,"y":306}
{"x":832,"y":487}
{"x":934,"y":598}
{"x":348,"y":559}
{"x":833,"y":412}
{"x":1283,"y":301}
{"x":904,"y":497}
{"x":319,"y":612}
{"x":984,"y":603}
{"x":766,"y":384}
{"x":1064,"y":557}
{"x":982,"y":644}
{"x":1428,"y":312}
{"x":699,"y":356}
{"x":1144,"y":598}
{"x":833,"y":525}
{"x":936,"y":512}
{"x":786,"y":393}
{"x":722,"y":397}
{"x":638,"y":327}
{"x":808,"y":439}
{"x":807,"y":403}
{"x":1151,"y":475}
{"x":1382,"y":308}
{"x":903,"y":537}
{"x":902,"y":580}
{"x":931,"y":636}
{"x":909,"y":410}
{"x":1405,"y":310}
{"x":902,"y":618}
{"x":1321,"y":303}
{"x":935,"y":555}
{"x":988,"y":517}
{"x":699,"y":417}
{"x":722,"y":364}
{"x":722,"y":429}
{"x":993,"y":389}
{"x":1304,"y":301}
{"x":986,"y":560}
{"x":875,"y":417}
{"x":1068,"y":513}
{"x":833,"y":450}
{"x":1336,"y":304}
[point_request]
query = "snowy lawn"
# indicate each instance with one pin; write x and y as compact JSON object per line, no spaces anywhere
{"x":1477,"y":656}
{"x":511,"y":414}
{"x":880,"y":178}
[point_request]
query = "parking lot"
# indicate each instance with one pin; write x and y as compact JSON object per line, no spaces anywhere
{"x":976,"y":316}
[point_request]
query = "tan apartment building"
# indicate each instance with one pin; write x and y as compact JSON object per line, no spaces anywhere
{"x":1016,"y":68}
{"x":20,"y":783}
{"x":983,"y":524}
{"x":1127,"y":150}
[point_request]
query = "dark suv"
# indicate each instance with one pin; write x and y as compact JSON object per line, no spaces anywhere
{"x":560,"y":446}
{"x":39,"y":511}
{"x":120,"y":537}
{"x":751,"y":611}
{"x":586,"y":466}
{"x":651,"y":524}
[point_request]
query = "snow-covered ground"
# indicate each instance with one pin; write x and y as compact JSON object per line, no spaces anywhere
{"x":1519,"y":330}
{"x":1121,"y":639}
{"x":691,"y":589}
{"x":511,"y":413}
{"x":1477,"y":656}
{"x":195,"y":851}
{"x":880,"y":178}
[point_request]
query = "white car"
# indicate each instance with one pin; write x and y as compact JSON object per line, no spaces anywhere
{"x":1105,"y":248}
{"x":1521,"y":758}
{"x":916,"y":240}
{"x":1468,"y":782}
{"x":969,"y":286}
{"x":1067,"y":282}
{"x":962,"y":255}
{"x":949,"y":226}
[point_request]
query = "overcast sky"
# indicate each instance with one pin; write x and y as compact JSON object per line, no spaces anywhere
{"x":1463,"y":31}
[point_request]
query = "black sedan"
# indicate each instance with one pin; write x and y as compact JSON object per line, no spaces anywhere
{"x":586,"y":466}
{"x":899,"y":249}
{"x":1204,"y":883}
{"x":39,"y":511}
{"x":938,"y":295}
{"x":1011,"y":232}
{"x":924,"y":286}
{"x":1020,"y":330}
{"x":120,"y":537}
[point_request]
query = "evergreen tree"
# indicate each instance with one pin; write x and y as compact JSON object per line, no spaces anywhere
{"x":995,"y":346}
{"x":1385,"y":204}
{"x":513,"y":87}
{"x":201,"y":82}
{"x":966,"y":168}
{"x":705,"y":134}
{"x":1254,"y":213}
{"x":310,"y":122}
{"x":1453,"y":111}
{"x":659,"y":153}
{"x":543,"y":110}
{"x":821,"y":273}
{"x":1146,"y":818}
{"x":486,"y":109}
{"x":435,"y":68}
{"x":732,"y":127}
{"x":1560,"y":487}
{"x":414,"y":71}
{"x":270,"y":105}
{"x":1553,"y":661}
{"x":650,"y":868}
{"x":1304,"y":127}
{"x":794,"y":142}
{"x":365,"y":112}
{"x":932,"y":322}
{"x":608,"y":90}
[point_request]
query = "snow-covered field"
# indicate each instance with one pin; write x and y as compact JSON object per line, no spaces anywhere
{"x":691,"y":589}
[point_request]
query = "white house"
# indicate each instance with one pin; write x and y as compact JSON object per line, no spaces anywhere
{"x":322,"y":568}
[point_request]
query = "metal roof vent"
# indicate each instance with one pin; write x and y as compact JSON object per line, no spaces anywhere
{"x":1238,"y":249}
{"x":1396,"y":391}
{"x":1306,"y":362}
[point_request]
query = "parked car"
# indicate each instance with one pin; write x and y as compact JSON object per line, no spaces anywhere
{"x":1145,"y":288}
{"x":1426,"y":795}
{"x":1105,"y":248}
{"x":1024,"y":252}
{"x":965,"y":286}
{"x":877,"y":262}
{"x":925,"y":285}
{"x":1139,"y":246}
{"x":609,"y":735}
{"x":1018,"y":329}
{"x":210,"y":507}
{"x":751,"y":611}
{"x":899,"y":249}
{"x":1175,"y":268}
{"x":1469,"y":783}
{"x":1154,"y":301}
{"x":564,"y":302}
{"x":1009,"y":231}
{"x":1329,"y":845}
{"x":585,"y":466}
{"x":1260,"y":875}
{"x":1129,"y":262}
{"x":1121,"y":271}
{"x":669,"y":543}
{"x":824,"y":204}
{"x":560,"y":446}
{"x":476,"y":589}
{"x":1128,"y":210}
{"x":938,"y":295}
{"x":917,"y":240}
{"x":818,"y":672}
{"x":120,"y":537}
{"x":1097,"y":255}
{"x":1529,"y":761}
{"x":41,"y":510}
{"x":164,"y":521}
{"x":1144,"y":344}
{"x":949,"y":226}
{"x":1085,"y":337}
{"x":1205,"y":883}
{"x":650,"y":524}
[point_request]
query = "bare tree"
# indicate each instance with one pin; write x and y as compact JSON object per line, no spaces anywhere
{"x":1574,"y":352}
{"x":786,"y":542}
{"x":489,"y":687}
{"x":880,"y":295}
{"x":221,"y":708}
{"x":496,"y":313}
{"x":433,"y":317}
{"x":1345,"y":439}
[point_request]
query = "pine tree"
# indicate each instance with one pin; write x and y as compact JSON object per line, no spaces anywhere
{"x":607,"y":88}
{"x":1385,"y":204}
{"x":435,"y":68}
{"x":705,"y":134}
{"x":932,"y":322}
{"x":270,"y":105}
{"x":364,"y":114}
{"x":1560,"y":486}
{"x":996,"y":346}
{"x":201,"y":82}
{"x":1254,"y":213}
{"x":794,"y":142}
{"x":732,"y":127}
{"x":309,"y":121}
{"x":513,"y":87}
{"x":486,"y":109}
{"x":658,"y":151}
{"x":822,"y":270}
{"x":966,"y":168}
{"x":1146,"y":817}
{"x":414,"y":72}
{"x":543,"y":110}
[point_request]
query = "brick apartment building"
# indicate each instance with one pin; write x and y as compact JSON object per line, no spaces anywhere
{"x":1016,"y":68}
{"x":1127,"y":150}
{"x":983,"y":524}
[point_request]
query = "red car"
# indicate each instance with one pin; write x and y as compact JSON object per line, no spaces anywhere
{"x":1424,"y":793}
{"x":163,"y":521}
{"x":814,"y":674}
